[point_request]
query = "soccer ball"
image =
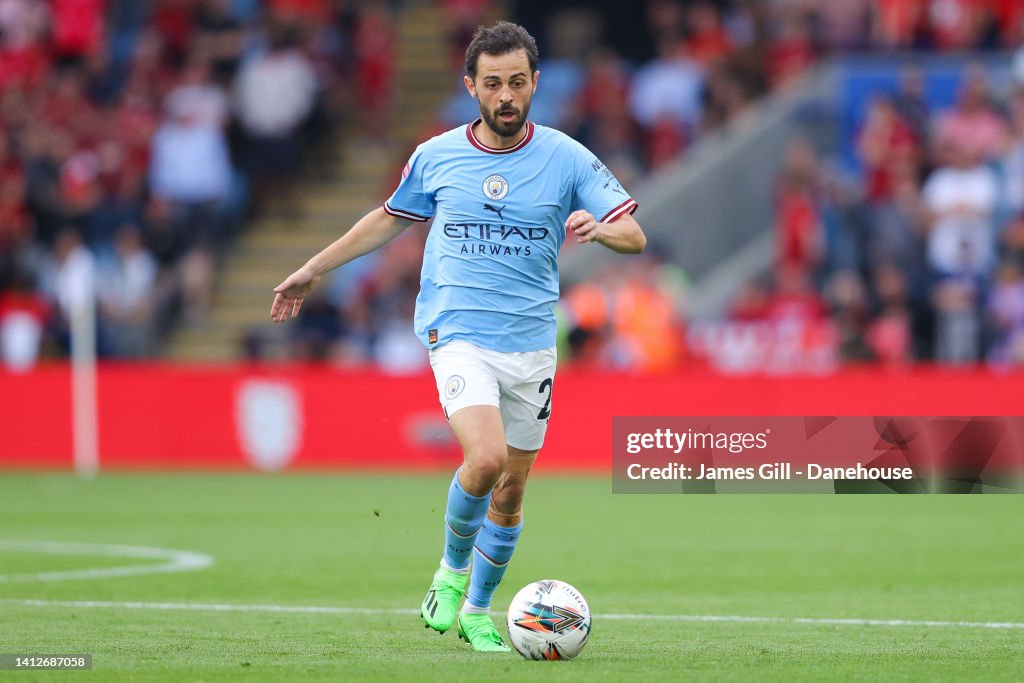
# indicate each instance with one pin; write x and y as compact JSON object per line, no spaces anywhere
{"x":548,"y":620}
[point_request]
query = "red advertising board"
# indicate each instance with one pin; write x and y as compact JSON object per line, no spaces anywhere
{"x":161,"y":416}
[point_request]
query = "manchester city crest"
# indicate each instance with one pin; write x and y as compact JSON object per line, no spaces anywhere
{"x":454,"y":386}
{"x":495,"y":187}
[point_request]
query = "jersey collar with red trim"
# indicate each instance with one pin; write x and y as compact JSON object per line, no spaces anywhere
{"x":492,"y":150}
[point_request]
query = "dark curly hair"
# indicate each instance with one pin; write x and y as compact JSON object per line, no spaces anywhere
{"x":500,"y":39}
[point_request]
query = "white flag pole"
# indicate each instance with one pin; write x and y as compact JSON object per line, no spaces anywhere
{"x":84,"y":418}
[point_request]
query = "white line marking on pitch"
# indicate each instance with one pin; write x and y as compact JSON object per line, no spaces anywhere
{"x":174,"y":560}
{"x":312,"y":609}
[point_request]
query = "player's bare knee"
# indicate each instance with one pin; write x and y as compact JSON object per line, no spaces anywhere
{"x":486,"y":465}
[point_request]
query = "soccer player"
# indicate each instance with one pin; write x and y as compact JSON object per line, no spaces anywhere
{"x":504,"y":193}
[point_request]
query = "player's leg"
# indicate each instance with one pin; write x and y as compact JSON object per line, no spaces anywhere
{"x":526,"y":402}
{"x":494,"y":547}
{"x":469,"y":395}
{"x":500,"y":531}
{"x":480,"y":433}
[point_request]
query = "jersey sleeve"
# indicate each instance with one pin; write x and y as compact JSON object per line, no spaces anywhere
{"x":411,"y":199}
{"x":597,"y":189}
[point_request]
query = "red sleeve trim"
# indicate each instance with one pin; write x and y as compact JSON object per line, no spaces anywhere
{"x":628,"y":206}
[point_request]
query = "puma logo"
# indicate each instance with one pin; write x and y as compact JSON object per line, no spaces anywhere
{"x":496,"y":209}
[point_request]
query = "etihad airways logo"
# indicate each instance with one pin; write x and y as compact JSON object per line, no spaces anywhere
{"x":494,"y":238}
{"x":493,"y":232}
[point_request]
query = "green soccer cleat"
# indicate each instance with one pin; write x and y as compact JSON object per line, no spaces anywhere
{"x":478,"y":630}
{"x":441,"y":605}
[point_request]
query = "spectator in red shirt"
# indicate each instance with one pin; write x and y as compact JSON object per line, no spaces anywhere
{"x":792,"y":51}
{"x":887,"y":147}
{"x":890,"y":333}
{"x":665,"y":140}
{"x":1009,"y":15}
{"x":794,"y":299}
{"x":23,"y":67}
{"x":14,"y":218}
{"x":173,"y":21}
{"x":78,"y":28}
{"x":799,"y":222}
{"x":954,"y":24}
{"x":305,"y":12}
{"x":751,"y":303}
{"x":898,"y":23}
{"x":708,"y":41}
{"x":374,"y":50}
{"x":461,"y":18}
{"x":606,"y":84}
{"x":24,"y":60}
{"x":889,"y":336}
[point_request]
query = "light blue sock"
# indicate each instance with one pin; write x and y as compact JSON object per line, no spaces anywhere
{"x":462,"y":517}
{"x":494,"y":547}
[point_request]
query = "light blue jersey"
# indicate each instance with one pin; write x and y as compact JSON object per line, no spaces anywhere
{"x":490,"y":267}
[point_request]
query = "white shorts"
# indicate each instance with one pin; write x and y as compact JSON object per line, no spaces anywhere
{"x":518,"y":384}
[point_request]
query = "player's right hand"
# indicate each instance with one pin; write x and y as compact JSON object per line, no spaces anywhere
{"x":289,"y":295}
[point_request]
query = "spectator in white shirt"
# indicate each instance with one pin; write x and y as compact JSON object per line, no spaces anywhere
{"x":126,"y":292}
{"x":274,"y":96}
{"x":668,"y":86}
{"x":190,"y":162}
{"x":960,"y":199}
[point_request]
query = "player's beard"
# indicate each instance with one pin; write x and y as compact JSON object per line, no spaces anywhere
{"x":505,"y":129}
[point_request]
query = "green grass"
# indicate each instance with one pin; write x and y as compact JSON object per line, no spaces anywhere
{"x":373,"y":541}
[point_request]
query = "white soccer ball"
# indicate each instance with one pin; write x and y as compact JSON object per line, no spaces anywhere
{"x":548,"y":620}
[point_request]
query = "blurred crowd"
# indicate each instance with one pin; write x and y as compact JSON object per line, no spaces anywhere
{"x":919,"y":259}
{"x":869,"y":278}
{"x":921,"y":256}
{"x":137,"y":137}
{"x":710,"y":61}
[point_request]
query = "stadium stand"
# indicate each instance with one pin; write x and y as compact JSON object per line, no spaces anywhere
{"x":140,"y":151}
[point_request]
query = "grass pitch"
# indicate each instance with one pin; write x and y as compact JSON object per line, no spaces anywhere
{"x":373,"y":541}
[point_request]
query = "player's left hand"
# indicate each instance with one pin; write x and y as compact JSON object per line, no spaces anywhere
{"x":583,"y":224}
